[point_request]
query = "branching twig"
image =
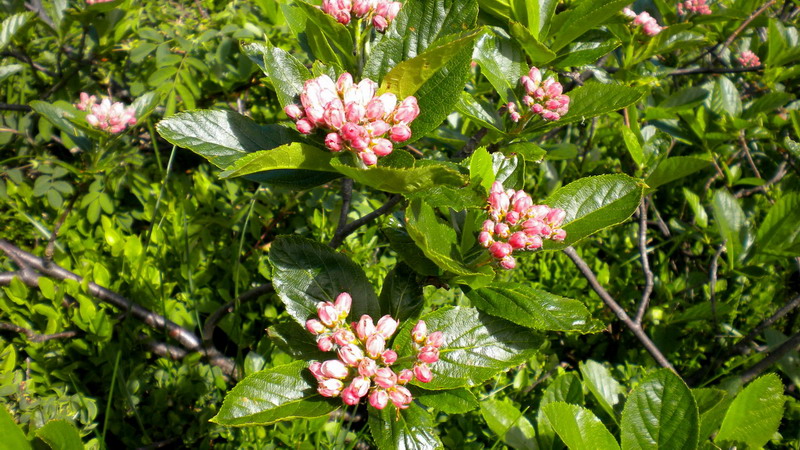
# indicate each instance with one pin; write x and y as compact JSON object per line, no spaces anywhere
{"x":216,"y":316}
{"x":472,"y":144}
{"x":741,"y":346}
{"x":744,"y":24}
{"x":349,"y":228}
{"x":746,"y":150}
{"x":779,"y":174}
{"x":34,"y":336}
{"x":706,"y":70}
{"x":648,"y":274}
{"x":617,"y":309}
{"x":791,"y":344}
{"x":15,"y":107}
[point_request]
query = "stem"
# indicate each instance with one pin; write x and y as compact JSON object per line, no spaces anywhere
{"x":648,"y":274}
{"x":348,"y":229}
{"x":791,"y":344}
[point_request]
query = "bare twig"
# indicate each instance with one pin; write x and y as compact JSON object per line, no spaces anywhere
{"x":662,"y":226}
{"x":712,"y":282}
{"x":162,"y":349}
{"x":609,"y":301}
{"x":347,"y":197}
{"x":14,"y":107}
{"x":648,"y":274}
{"x":348,"y":229}
{"x":744,"y":24}
{"x":472,"y":144}
{"x":746,"y":150}
{"x":186,"y":338}
{"x":742,"y":345}
{"x":216,"y":316}
{"x":779,"y":174}
{"x":34,"y":336}
{"x":706,"y":70}
{"x":791,"y":344}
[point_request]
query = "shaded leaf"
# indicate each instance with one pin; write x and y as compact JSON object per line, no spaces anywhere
{"x":675,"y":168}
{"x":578,"y":427}
{"x":408,"y":429}
{"x":731,"y":222}
{"x":604,"y":388}
{"x":60,"y":435}
{"x":778,"y":234}
{"x":401,"y":294}
{"x":450,"y":401}
{"x":509,"y":423}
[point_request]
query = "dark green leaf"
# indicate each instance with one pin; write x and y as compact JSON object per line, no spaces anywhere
{"x":401,"y":294}
{"x":725,"y":98}
{"x":594,"y":99}
{"x":660,"y":413}
{"x":308,"y":272}
{"x":509,"y":423}
{"x":565,"y":388}
{"x":296,"y":341}
{"x":481,"y":112}
{"x":502,"y":63}
{"x":604,"y":388}
{"x":675,"y":168}
{"x":529,"y":151}
{"x":289,"y":156}
{"x":62,"y":115}
{"x":578,"y":427}
{"x":281,"y":393}
{"x":408,"y":429}
{"x":509,"y":170}
{"x":533,"y":308}
{"x":585,"y":53}
{"x":288,"y":75}
{"x":334,"y":32}
{"x":779,"y":234}
{"x":407,"y":249}
{"x":458,"y":199}
{"x":60,"y":435}
{"x":451,"y":401}
{"x":755,"y":413}
{"x":731,"y":222}
{"x":571,"y":24}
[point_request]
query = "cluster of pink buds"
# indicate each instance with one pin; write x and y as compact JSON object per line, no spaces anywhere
{"x":92,"y":2}
{"x":107,"y":116}
{"x":647,"y":22}
{"x":363,"y":364}
{"x":749,"y":59}
{"x":693,"y":6}
{"x":353,"y":117}
{"x":543,"y":98}
{"x":516,"y":224}
{"x":378,"y":12}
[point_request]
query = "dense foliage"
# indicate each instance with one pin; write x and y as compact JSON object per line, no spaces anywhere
{"x":541,"y":224}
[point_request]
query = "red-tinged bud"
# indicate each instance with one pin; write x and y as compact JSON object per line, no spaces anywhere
{"x":367,"y":367}
{"x":315,"y":369}
{"x":362,"y":7}
{"x":380,"y":23}
{"x":375,"y":109}
{"x":528,"y":100}
{"x":556,"y":216}
{"x":330,"y":388}
{"x":537,"y":108}
{"x":389,"y":357}
{"x":369,"y":158}
{"x":315,"y":327}
{"x":518,"y":240}
{"x":351,"y":131}
{"x":362,"y":145}
{"x":485,"y":239}
{"x":351,"y":354}
{"x":344,"y":82}
{"x":325,"y":343}
{"x":400,"y":133}
{"x":377,"y":128}
{"x":334,"y":369}
{"x":375,"y":345}
{"x":349,"y":396}
{"x":512,"y":217}
{"x":360,"y":386}
{"x":552,"y":104}
{"x":365,"y":327}
{"x":428,"y":354}
{"x":327,"y":313}
{"x":407,"y":110}
{"x":385,"y":378}
{"x":304,"y":126}
{"x":389,"y":102}
{"x":334,"y":114}
{"x":355,"y":112}
{"x":423,"y":373}
{"x":552,"y":88}
{"x":400,"y":396}
{"x":382,"y":147}
{"x":499,"y":201}
{"x":386,"y":326}
{"x":334,"y":142}
{"x":379,"y":399}
{"x":420,"y":332}
{"x":405,"y":376}
{"x":342,"y":304}
{"x":436,"y":339}
{"x":343,"y":336}
{"x":535,"y":74}
{"x":558,"y":235}
{"x":508,"y":262}
{"x":500,"y":250}
{"x":293,"y":111}
{"x":551,"y":115}
{"x":534,"y":242}
{"x":502,"y":230}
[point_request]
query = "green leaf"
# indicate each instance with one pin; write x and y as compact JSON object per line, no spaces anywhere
{"x":398,"y":180}
{"x":509,"y":170}
{"x":779,"y":234}
{"x":767,"y":103}
{"x":731,"y":222}
{"x":62,"y":115}
{"x":604,"y":388}
{"x":430,"y":20}
{"x":60,"y":435}
{"x":13,"y":436}
{"x":585,"y":53}
{"x":502,"y":63}
{"x":408,"y":429}
{"x":540,"y":15}
{"x":529,"y":151}
{"x":222,"y":137}
{"x":725,"y":98}
{"x":660,"y":413}
{"x":451,"y":401}
{"x":481,"y":112}
{"x":308,"y":272}
{"x":481,"y":171}
{"x":458,"y":199}
{"x":538,"y":52}
{"x":707,"y":399}
{"x":295,"y":340}
{"x":571,"y":24}
{"x":12,"y":25}
{"x":675,"y":168}
{"x":288,"y":75}
{"x":9,"y":70}
{"x":633,"y":145}
{"x":407,"y":249}
{"x":594,"y":203}
{"x":565,"y":388}
{"x":401,"y":294}
{"x":281,"y":393}
{"x":509,"y":423}
{"x":289,"y":156}
{"x":334,"y":32}
{"x":579,"y":428}
{"x":533,"y":308}
{"x":594,"y":99}
{"x":476,"y":346}
{"x":755,"y":413}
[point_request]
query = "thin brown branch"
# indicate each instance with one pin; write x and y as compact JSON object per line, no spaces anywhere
{"x":774,"y":356}
{"x":347,"y":196}
{"x":609,"y":301}
{"x":162,"y":349}
{"x":744,"y":24}
{"x":15,"y":107}
{"x":746,"y":150}
{"x":349,"y":228}
{"x":707,"y":70}
{"x":779,"y":174}
{"x":472,"y":144}
{"x":216,"y":316}
{"x":712,"y":282}
{"x":648,"y":274}
{"x":34,"y":336}
{"x":662,"y":226}
{"x":742,"y":345}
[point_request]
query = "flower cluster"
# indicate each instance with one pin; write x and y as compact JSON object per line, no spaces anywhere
{"x":543,"y":98}
{"x":92,"y":2}
{"x":363,"y":367}
{"x":647,"y":22}
{"x":379,"y":12}
{"x":107,"y":116}
{"x":353,"y":117}
{"x":515,"y":223}
{"x":749,"y":59}
{"x":693,"y":6}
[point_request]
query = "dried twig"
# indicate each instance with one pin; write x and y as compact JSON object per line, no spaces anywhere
{"x":617,"y":309}
{"x":216,"y":316}
{"x":34,"y":336}
{"x":706,"y":70}
{"x":779,"y":174}
{"x":648,"y":274}
{"x":744,"y":24}
{"x":742,"y":345}
{"x":791,"y":344}
{"x":349,"y":228}
{"x":712,"y":282}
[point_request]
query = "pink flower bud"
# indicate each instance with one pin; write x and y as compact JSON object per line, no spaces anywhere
{"x":334,"y":114}
{"x":334,"y":369}
{"x":360,"y":386}
{"x":380,"y":23}
{"x":428,"y":354}
{"x":556,"y":216}
{"x":349,"y":396}
{"x":327,"y":313}
{"x":293,"y":111}
{"x":400,"y":396}
{"x":386,"y":326}
{"x":344,"y":82}
{"x":534,"y":242}
{"x":405,"y":376}
{"x":651,"y":28}
{"x":379,"y":399}
{"x":389,"y":357}
{"x":334,"y":142}
{"x":407,"y":110}
{"x":508,"y":262}
{"x":304,"y":126}
{"x":382,"y":147}
{"x":385,"y":378}
{"x":389,"y":102}
{"x":375,"y":109}
{"x":367,"y":367}
{"x":330,"y":388}
{"x":400,"y":133}
{"x":512,"y":217}
{"x":642,"y":18}
{"x":535,"y":74}
{"x":435,"y":339}
{"x":423,"y":373}
{"x":377,"y":128}
{"x":362,"y":7}
{"x":315,"y":369}
{"x":365,"y":327}
{"x":420,"y":332}
{"x":518,"y":240}
{"x":342,"y":304}
{"x":362,"y":144}
{"x":325,"y":343}
{"x":343,"y":336}
{"x":485,"y":239}
{"x":500,"y":250}
{"x":368,"y":158}
{"x":558,"y":235}
{"x":315,"y":327}
{"x":551,"y":115}
{"x":499,"y":201}
{"x":351,"y":354}
{"x":515,"y":116}
{"x":502,"y":230}
{"x":355,"y":112}
{"x":352,"y":131}
{"x":537,"y":108}
{"x":376,"y":344}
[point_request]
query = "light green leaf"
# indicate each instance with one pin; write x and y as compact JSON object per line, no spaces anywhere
{"x":571,"y":24}
{"x":731,"y":222}
{"x":13,"y":436}
{"x":605,"y":389}
{"x":538,"y":52}
{"x":509,"y":423}
{"x":288,"y":75}
{"x":9,"y":70}
{"x":60,"y":435}
{"x":533,"y":308}
{"x":476,"y":346}
{"x":502,"y":63}
{"x":579,"y":428}
{"x":594,"y":203}
{"x":12,"y":25}
{"x":334,"y":32}
{"x":408,"y":429}
{"x":725,"y":98}
{"x":779,"y":234}
{"x":289,"y":156}
{"x":660,"y":413}
{"x":481,"y":171}
{"x":755,"y":413}
{"x":308,"y":272}
{"x":482,"y":112}
{"x":584,"y":53}
{"x":675,"y":168}
{"x":633,"y":145}
{"x":281,"y":393}
{"x":594,"y":99}
{"x":399,"y":180}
